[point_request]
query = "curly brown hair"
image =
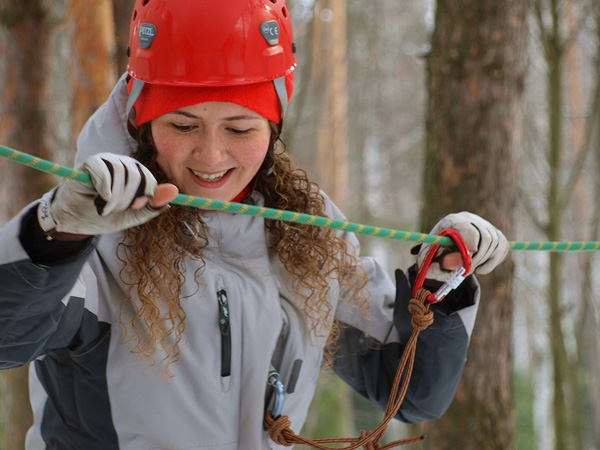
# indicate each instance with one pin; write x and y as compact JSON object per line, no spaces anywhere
{"x":154,"y":254}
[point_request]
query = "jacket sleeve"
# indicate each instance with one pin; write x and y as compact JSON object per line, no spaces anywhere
{"x":41,"y":300}
{"x":371,"y":343}
{"x":369,"y":364}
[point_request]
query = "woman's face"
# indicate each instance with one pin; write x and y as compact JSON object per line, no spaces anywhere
{"x":211,"y":150}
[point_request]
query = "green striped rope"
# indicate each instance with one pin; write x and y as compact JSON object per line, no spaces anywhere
{"x":289,"y":216}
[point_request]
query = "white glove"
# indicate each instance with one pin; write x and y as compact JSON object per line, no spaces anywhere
{"x":487,"y":244}
{"x":81,"y":209}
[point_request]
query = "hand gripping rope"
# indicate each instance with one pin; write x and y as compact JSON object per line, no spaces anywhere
{"x":454,"y":278}
{"x":289,"y":216}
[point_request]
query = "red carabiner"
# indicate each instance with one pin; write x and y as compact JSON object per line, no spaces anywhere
{"x":454,"y":278}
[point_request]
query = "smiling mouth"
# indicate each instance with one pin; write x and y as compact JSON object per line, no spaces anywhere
{"x":210,"y":178}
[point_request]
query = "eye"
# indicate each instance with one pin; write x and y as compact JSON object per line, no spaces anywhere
{"x":239,"y":131}
{"x":183,"y":128}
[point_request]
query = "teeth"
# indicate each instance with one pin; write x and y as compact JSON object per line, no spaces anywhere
{"x":213,"y":177}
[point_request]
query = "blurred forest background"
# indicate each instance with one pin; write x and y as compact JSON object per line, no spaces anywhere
{"x":403,"y":111}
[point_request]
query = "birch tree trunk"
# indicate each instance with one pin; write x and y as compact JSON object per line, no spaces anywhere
{"x":476,"y":78}
{"x":554,"y":55}
{"x":558,"y":57}
{"x":593,"y":350}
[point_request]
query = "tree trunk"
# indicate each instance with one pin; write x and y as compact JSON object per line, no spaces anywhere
{"x":593,"y":351}
{"x":332,"y":405}
{"x":24,"y":30}
{"x":92,"y":70}
{"x":122,"y":10}
{"x":330,"y":76}
{"x":476,"y":78}
{"x":554,"y":54}
{"x":587,"y":404}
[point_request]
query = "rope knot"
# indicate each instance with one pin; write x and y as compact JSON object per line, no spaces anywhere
{"x":422,"y":317}
{"x":277,"y":428}
{"x":281,"y":433}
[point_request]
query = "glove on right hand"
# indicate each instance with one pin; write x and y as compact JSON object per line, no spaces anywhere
{"x":77,"y":208}
{"x":487,"y":244}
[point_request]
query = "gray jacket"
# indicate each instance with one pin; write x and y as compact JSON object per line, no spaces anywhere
{"x":60,"y":306}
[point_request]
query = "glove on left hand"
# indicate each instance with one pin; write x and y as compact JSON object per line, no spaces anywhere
{"x":487,"y":244}
{"x":104,"y":207}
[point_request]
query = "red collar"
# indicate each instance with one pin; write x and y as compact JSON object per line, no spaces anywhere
{"x":244,"y":194}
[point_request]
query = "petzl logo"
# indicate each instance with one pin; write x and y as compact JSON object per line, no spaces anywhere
{"x":270,"y":31}
{"x":147,"y":34}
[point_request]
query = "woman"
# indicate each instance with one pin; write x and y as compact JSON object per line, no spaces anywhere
{"x":157,"y":327}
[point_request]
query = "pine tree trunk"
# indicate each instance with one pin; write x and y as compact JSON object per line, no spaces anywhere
{"x":330,"y":72}
{"x":24,"y":39}
{"x":331,"y":407}
{"x":92,"y":70}
{"x":122,"y":10}
{"x":22,"y":127}
{"x":476,"y":78}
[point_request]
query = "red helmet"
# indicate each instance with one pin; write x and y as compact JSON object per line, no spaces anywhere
{"x":210,"y":42}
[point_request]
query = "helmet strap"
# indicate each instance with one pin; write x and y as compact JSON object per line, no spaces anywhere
{"x":281,"y":93}
{"x":136,"y":90}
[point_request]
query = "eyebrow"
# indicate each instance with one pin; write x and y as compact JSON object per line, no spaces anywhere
{"x":183,"y":113}
{"x":230,"y":119}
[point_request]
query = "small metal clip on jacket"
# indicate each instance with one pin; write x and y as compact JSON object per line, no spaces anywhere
{"x":274,"y":380}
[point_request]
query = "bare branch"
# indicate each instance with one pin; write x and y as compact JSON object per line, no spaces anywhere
{"x":530,"y":211}
{"x":538,"y":12}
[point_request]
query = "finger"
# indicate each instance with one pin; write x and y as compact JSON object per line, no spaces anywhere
{"x":487,"y":245}
{"x":123,"y":184}
{"x":163,"y":194}
{"x":127,"y":185}
{"x":499,"y":253}
{"x":139,"y":202}
{"x":141,"y":190}
{"x":451,"y":261}
{"x":101,"y":174}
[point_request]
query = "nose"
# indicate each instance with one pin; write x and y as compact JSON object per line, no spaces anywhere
{"x":210,"y":149}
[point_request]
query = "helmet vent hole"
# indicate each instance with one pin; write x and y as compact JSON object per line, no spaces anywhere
{"x":134,"y":15}
{"x":284,"y":11}
{"x":273,"y":1}
{"x":145,"y":2}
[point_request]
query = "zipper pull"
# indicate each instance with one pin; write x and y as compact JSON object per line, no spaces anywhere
{"x":223,"y":312}
{"x":225,"y":329}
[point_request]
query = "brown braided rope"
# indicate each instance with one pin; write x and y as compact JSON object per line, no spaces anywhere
{"x":281,"y":433}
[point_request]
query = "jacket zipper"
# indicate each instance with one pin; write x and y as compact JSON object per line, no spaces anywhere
{"x":225,"y":329}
